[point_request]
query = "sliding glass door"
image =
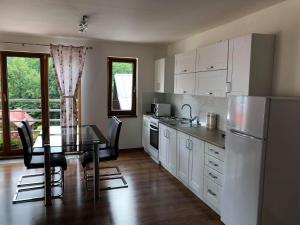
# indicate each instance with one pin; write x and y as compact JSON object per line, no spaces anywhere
{"x":28,"y":91}
{"x":24,"y":96}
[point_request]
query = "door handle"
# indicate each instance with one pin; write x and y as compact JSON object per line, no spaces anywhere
{"x":211,"y":192}
{"x":191,"y":145}
{"x":213,"y":176}
{"x":213,"y":151}
{"x":187,"y":143}
{"x":211,"y":162}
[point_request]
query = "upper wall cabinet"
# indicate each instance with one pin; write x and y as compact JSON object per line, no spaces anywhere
{"x":185,"y":83}
{"x":250,"y":65}
{"x":212,"y":57}
{"x":211,"y":83}
{"x":164,"y":75}
{"x":185,"y":62}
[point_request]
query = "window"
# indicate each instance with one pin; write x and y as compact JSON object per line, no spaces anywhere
{"x":121,"y":86}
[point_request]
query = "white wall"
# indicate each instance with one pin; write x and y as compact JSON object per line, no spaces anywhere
{"x":281,"y":19}
{"x":94,"y":92}
{"x":94,"y":82}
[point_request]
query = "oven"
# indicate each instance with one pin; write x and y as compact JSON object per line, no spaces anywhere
{"x":154,"y":135}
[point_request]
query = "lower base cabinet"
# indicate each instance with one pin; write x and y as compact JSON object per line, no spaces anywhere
{"x":167,"y":148}
{"x":197,"y":164}
{"x":190,"y":162}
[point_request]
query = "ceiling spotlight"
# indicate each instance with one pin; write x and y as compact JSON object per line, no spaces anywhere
{"x":83,"y":24}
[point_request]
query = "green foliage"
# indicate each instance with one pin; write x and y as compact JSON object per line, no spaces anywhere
{"x":24,"y":82}
{"x":122,"y":68}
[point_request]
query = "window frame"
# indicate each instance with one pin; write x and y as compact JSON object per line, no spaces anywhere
{"x":121,"y":113}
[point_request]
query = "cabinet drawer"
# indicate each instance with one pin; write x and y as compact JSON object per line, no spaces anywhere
{"x":214,"y":175}
{"x":215,"y":151}
{"x":212,"y":193}
{"x":214,"y":163}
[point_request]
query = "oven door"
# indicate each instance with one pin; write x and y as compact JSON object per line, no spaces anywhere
{"x":154,"y":136}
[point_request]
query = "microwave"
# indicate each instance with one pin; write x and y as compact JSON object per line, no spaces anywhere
{"x":161,"y":109}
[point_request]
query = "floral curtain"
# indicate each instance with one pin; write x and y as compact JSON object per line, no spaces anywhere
{"x":68,"y":64}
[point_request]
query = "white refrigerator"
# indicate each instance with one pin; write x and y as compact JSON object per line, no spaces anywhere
{"x":262,"y":162}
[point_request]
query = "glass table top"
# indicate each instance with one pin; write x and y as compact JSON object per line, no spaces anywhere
{"x":71,"y":137}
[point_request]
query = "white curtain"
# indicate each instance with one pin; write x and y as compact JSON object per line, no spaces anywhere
{"x":68,"y":63}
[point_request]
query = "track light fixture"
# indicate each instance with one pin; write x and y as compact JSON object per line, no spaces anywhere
{"x":83,"y":25}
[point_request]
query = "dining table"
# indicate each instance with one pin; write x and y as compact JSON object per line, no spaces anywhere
{"x":73,"y":139}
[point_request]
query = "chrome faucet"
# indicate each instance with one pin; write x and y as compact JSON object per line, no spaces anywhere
{"x":191,"y":119}
{"x":188,"y":105}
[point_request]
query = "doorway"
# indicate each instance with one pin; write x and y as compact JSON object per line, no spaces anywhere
{"x":28,"y":91}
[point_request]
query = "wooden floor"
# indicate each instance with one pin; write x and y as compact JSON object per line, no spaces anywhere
{"x":154,"y":197}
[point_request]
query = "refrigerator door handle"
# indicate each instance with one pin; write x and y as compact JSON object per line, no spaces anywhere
{"x":241,"y":134}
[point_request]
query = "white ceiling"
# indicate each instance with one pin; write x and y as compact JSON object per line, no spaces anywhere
{"x":155,"y":21}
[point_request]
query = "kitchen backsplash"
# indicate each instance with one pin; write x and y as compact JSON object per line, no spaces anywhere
{"x":200,"y":105}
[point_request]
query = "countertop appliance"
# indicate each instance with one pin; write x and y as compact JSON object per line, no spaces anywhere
{"x":262,"y":162}
{"x":162,"y":109}
{"x":211,"y":120}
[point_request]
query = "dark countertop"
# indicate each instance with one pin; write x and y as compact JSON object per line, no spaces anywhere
{"x":214,"y":137}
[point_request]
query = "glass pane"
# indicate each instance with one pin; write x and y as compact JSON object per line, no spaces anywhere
{"x":122,"y":74}
{"x":24,"y":95}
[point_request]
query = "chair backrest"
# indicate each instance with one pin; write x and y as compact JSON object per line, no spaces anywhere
{"x":113,"y":136}
{"x":27,"y":149}
{"x":29,"y":130}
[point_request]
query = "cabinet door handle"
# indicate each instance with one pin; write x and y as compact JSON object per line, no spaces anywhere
{"x":211,"y":162}
{"x":210,"y":67}
{"x":184,"y":92}
{"x":187,"y":143}
{"x":228,"y":87}
{"x":211,"y":192}
{"x":213,"y":176}
{"x":185,"y":70}
{"x":209,"y":93}
{"x":191,"y":145}
{"x":215,"y":152}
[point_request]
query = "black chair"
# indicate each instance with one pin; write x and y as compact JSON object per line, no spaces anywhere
{"x":107,"y":152}
{"x":37,"y":162}
{"x":38,"y":151}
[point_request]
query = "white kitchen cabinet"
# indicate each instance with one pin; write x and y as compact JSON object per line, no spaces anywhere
{"x":196,"y":165}
{"x":250,"y":65}
{"x":162,"y":145}
{"x":213,"y":178}
{"x":190,"y":162}
{"x":185,"y":83}
{"x":171,"y":150}
{"x":212,"y":57}
{"x":164,"y":75}
{"x":167,"y":148}
{"x":183,"y":153}
{"x":185,"y":62}
{"x":211,"y":83}
{"x":146,"y":133}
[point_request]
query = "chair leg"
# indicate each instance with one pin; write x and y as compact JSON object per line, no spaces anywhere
{"x":57,"y":183}
{"x":110,"y":176}
{"x":125,"y":185}
{"x":34,"y":175}
{"x":19,"y":190}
